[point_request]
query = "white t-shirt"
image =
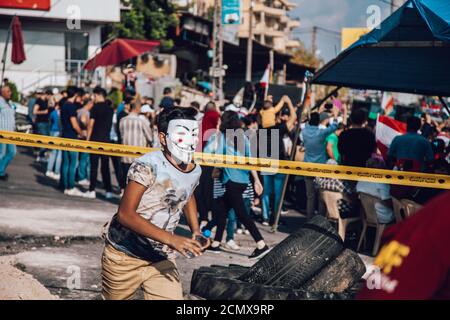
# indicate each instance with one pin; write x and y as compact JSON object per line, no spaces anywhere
{"x":168,"y":190}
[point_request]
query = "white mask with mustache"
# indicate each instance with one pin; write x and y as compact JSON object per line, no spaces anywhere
{"x":182,"y":138}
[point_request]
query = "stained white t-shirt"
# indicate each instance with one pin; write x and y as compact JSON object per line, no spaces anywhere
{"x":168,"y":190}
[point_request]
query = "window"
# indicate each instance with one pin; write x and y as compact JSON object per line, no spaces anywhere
{"x":76,"y":48}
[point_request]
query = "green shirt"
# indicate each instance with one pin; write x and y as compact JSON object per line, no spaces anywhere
{"x":333,"y":139}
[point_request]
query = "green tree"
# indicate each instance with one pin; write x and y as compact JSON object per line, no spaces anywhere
{"x":304,"y":56}
{"x":14,"y":92}
{"x":146,"y":19}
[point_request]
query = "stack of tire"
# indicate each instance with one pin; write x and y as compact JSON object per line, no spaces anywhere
{"x":312,"y":263}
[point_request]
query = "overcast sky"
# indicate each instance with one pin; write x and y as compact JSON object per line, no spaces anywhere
{"x":333,"y":15}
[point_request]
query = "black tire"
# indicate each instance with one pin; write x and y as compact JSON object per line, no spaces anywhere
{"x":213,"y":283}
{"x":297,"y":258}
{"x":339,"y":276}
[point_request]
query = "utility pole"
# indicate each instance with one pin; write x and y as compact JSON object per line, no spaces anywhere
{"x":392,"y":6}
{"x":248,"y":73}
{"x":217,"y":70}
{"x":314,"y":41}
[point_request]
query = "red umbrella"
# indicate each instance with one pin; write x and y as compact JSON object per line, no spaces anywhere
{"x":119,"y":51}
{"x":18,"y":52}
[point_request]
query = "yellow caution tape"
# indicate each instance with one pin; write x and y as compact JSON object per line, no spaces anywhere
{"x":246,"y":163}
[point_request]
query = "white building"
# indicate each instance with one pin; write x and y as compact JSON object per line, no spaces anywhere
{"x":57,"y":41}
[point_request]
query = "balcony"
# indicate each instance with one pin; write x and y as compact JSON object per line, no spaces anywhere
{"x":275,"y":12}
{"x":292,"y":24}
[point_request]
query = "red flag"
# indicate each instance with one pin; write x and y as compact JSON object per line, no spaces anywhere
{"x":18,"y":51}
{"x":387,"y":129}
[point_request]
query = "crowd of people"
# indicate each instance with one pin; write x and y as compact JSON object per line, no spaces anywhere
{"x":229,"y":199}
{"x":78,"y":114}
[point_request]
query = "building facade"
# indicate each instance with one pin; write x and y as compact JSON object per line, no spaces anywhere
{"x":271,"y":24}
{"x":58,"y":40}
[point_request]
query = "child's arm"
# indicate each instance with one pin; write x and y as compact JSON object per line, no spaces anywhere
{"x":280,"y":104}
{"x":190,"y":212}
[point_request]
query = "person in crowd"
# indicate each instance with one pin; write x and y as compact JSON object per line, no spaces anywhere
{"x":276,"y":150}
{"x":122,"y":114}
{"x":411,"y":147}
{"x":114,"y":137}
{"x":414,"y":261}
{"x":167,"y":101}
{"x":332,"y":143}
{"x":63,"y":99}
{"x":128,"y":94}
{"x":83,"y":115}
{"x":315,"y":152}
{"x":233,"y":223}
{"x":196,"y":106}
{"x":7,"y":123}
{"x":135,"y":131}
{"x":150,"y":101}
{"x":235,"y":181}
{"x":41,"y":111}
{"x":99,"y":129}
{"x":130,"y":78}
{"x":269,"y":112}
{"x":381,"y":191}
{"x":357,"y":144}
{"x":427,"y":125}
{"x":55,"y":158}
{"x":148,"y":114}
{"x":204,"y":192}
{"x":31,"y":103}
{"x":140,"y":241}
{"x":70,"y":129}
{"x":424,"y":195}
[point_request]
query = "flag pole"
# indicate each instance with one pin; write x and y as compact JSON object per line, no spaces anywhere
{"x":5,"y":51}
{"x":308,"y":77}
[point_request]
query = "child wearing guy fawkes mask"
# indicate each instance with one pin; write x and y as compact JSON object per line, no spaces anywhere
{"x":140,"y":243}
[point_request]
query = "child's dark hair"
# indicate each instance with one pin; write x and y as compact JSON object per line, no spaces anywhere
{"x":169,"y":114}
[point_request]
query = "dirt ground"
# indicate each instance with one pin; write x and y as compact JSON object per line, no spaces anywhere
{"x":18,"y":285}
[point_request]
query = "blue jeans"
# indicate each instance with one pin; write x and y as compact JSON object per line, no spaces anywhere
{"x":273,"y":185}
{"x":54,"y":161}
{"x":43,"y":128}
{"x":69,"y":168}
{"x":84,"y":167}
{"x":7,"y":153}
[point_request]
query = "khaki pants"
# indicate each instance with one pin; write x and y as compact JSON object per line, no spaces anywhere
{"x":122,"y":275}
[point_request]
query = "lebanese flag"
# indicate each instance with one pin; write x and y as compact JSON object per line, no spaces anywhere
{"x":386,"y":130}
{"x":265,"y":78}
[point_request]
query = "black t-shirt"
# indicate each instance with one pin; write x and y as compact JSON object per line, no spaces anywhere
{"x":43,"y":105}
{"x":122,"y":114}
{"x":68,"y":110}
{"x":356,"y":146}
{"x":276,"y":144}
{"x":102,"y":113}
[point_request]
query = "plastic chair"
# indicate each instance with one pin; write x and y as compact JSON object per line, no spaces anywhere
{"x":370,"y":219}
{"x":399,"y":209}
{"x":411,"y":207}
{"x":331,"y":198}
